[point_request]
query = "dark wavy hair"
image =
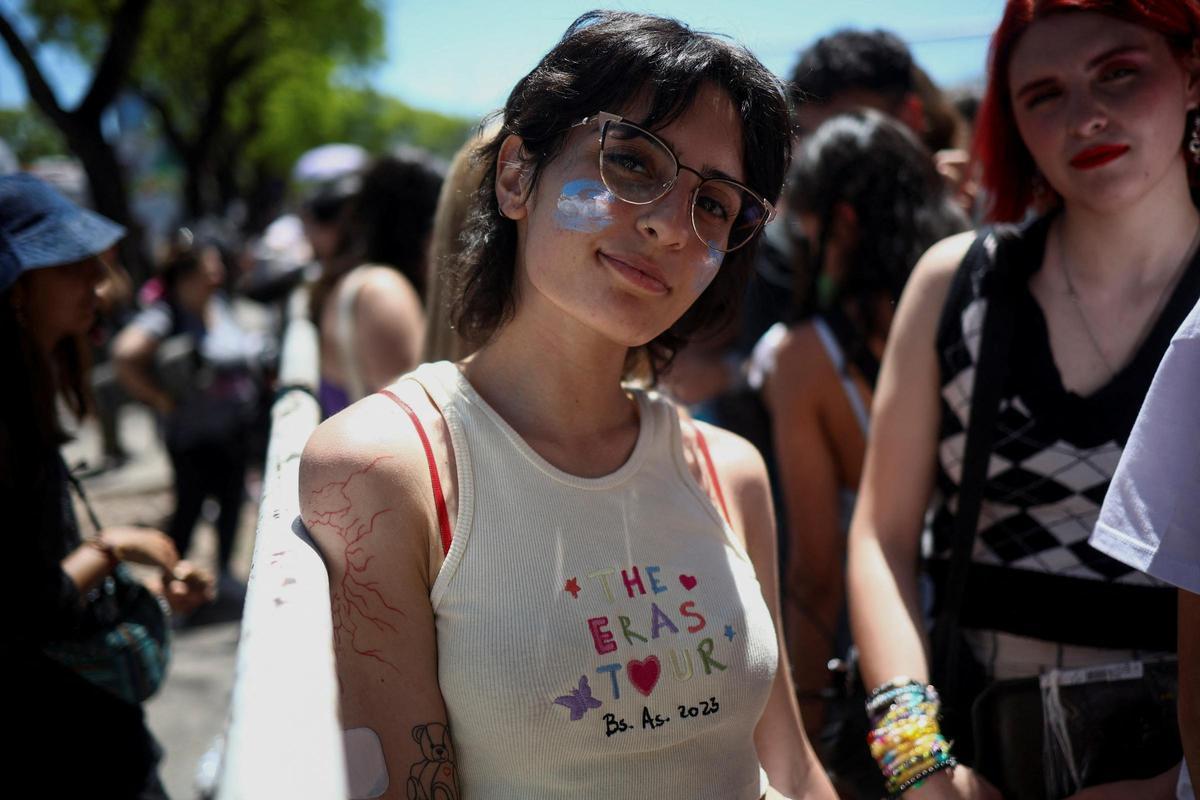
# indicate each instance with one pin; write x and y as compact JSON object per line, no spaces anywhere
{"x":875,"y":165}
{"x":29,"y":424}
{"x":878,"y":61}
{"x":603,"y":61}
{"x":1008,"y":167}
{"x":387,"y":220}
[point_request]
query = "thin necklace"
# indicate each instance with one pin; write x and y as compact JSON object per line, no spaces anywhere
{"x":1158,"y":304}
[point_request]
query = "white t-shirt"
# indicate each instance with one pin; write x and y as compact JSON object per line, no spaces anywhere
{"x":1151,"y":514}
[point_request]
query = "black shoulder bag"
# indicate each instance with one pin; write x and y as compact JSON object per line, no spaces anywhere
{"x":958,"y":677}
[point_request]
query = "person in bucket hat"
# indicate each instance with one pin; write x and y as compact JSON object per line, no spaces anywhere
{"x":68,"y":628}
{"x":41,"y":228}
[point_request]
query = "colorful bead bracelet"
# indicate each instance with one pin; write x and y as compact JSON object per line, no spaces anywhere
{"x":906,"y":740}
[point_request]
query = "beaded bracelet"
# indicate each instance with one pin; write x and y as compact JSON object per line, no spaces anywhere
{"x":882,"y":696}
{"x":906,"y":739}
{"x":917,"y":780}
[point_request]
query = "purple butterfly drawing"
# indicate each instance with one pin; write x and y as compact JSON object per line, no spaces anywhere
{"x":579,"y":700}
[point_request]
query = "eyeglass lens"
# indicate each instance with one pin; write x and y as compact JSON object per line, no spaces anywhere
{"x":639,"y":169}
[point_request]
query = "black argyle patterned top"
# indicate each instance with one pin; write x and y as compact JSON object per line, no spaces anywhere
{"x":1033,"y":572}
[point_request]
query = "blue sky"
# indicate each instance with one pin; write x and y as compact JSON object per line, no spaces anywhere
{"x":463,"y":56}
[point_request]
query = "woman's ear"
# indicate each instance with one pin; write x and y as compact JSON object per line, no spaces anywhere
{"x":1191,"y":69}
{"x":512,"y":179}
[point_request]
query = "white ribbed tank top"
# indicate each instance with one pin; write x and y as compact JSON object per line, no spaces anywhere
{"x":597,"y":637}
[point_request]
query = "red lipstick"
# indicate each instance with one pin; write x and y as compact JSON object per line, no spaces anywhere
{"x":1098,"y":156}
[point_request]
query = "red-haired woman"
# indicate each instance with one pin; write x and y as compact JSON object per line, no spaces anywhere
{"x":1091,"y":117}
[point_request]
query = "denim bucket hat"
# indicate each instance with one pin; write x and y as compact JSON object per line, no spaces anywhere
{"x":41,"y":228}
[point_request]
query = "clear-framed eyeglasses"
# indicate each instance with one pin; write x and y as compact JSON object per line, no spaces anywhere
{"x":639,"y":168}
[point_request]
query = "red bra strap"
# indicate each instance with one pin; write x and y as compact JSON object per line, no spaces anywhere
{"x":712,"y":471}
{"x":439,"y":500}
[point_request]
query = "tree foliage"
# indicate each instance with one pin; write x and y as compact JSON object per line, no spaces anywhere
{"x":113,"y":47}
{"x":29,"y":135}
{"x":299,"y":116}
{"x":241,"y":88}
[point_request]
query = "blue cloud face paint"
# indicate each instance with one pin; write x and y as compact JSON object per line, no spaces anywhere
{"x":584,"y":206}
{"x":709,"y":265}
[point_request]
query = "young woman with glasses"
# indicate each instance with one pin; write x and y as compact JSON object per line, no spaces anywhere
{"x":559,"y":569}
{"x":1090,"y":115}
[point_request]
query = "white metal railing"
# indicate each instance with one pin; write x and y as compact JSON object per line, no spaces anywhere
{"x":284,"y":738}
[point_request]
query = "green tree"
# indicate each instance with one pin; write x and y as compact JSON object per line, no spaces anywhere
{"x":29,"y":135}
{"x":301,"y":115}
{"x":240,"y":88}
{"x":208,"y":69}
{"x":301,"y":112}
{"x":111,"y":46}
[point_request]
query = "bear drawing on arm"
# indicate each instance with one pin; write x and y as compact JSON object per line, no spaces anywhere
{"x":434,"y":777}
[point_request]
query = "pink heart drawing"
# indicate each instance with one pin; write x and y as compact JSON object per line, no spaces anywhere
{"x":688,"y":581}
{"x":644,"y":674}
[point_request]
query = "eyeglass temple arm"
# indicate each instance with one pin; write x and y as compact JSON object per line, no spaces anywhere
{"x":601,"y":116}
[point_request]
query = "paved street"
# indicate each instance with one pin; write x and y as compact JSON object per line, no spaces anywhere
{"x":189,"y":711}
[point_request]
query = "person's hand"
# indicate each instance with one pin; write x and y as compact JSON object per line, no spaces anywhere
{"x":142,"y":546}
{"x":187,"y":587}
{"x":1160,"y":787}
{"x":961,"y":783}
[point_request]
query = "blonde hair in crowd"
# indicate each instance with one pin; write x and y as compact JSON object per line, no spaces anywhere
{"x":442,"y":342}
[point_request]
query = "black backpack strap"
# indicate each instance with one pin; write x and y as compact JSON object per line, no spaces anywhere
{"x":991,"y":370}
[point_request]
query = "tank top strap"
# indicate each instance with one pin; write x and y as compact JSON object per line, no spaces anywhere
{"x":711,"y":498}
{"x":438,"y":381}
{"x":834,"y":351}
{"x":435,"y":478}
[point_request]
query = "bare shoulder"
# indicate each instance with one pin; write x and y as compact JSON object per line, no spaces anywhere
{"x":745,"y":489}
{"x":734,"y":458}
{"x":384,"y":287}
{"x":801,"y":357}
{"x":741,"y":473}
{"x":931,"y":277}
{"x":372,"y":433}
{"x":801,"y":370}
{"x":364,"y":472}
{"x":915,"y":327}
{"x":738,"y":463}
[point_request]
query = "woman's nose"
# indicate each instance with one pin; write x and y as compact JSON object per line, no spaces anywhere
{"x":668,"y":220}
{"x":1085,"y":115}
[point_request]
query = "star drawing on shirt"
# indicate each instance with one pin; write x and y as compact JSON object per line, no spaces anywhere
{"x":729,"y":633}
{"x":572,"y":586}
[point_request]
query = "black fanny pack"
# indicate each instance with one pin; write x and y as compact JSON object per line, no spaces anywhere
{"x":1048,"y":737}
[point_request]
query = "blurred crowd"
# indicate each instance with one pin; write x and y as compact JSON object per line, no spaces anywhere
{"x":885,"y":166}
